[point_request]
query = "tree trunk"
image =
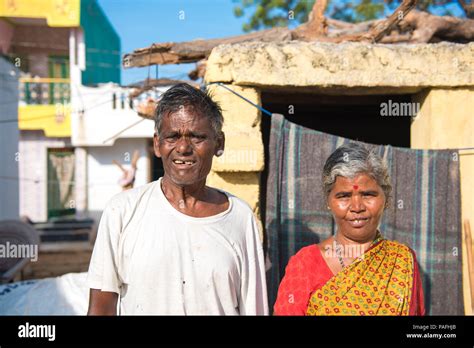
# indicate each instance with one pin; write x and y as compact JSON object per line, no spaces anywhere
{"x":429,"y":28}
{"x":316,"y":25}
{"x":193,"y":51}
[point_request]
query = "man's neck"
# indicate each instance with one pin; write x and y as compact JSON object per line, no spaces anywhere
{"x":184,"y":196}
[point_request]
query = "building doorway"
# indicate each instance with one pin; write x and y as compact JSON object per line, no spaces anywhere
{"x":60,"y":184}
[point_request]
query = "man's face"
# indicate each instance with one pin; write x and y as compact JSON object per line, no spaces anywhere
{"x":186,"y":145}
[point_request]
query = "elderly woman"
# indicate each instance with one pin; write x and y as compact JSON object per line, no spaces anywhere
{"x":356,"y":271}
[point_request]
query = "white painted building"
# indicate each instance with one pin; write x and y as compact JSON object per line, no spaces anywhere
{"x":70,"y":102}
{"x":105,"y":128}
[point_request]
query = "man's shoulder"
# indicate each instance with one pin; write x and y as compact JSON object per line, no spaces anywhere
{"x":240,"y":208}
{"x":239,"y":205}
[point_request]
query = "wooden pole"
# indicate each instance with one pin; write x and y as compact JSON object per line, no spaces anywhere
{"x":470,"y":259}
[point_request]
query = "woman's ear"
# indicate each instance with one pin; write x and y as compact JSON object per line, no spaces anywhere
{"x":328,"y":205}
{"x":156,"y":145}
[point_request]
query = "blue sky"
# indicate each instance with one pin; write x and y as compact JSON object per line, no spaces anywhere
{"x":140,"y":23}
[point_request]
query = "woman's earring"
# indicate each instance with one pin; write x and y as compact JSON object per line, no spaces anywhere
{"x":219,"y":153}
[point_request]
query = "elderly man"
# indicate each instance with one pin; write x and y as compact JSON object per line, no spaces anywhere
{"x":176,"y":246}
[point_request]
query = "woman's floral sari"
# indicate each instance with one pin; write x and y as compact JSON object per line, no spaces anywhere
{"x":380,"y":282}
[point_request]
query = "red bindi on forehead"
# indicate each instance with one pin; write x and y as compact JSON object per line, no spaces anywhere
{"x":355,"y":187}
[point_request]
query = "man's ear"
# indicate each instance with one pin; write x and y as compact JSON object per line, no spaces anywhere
{"x":220,"y":142}
{"x":156,"y":145}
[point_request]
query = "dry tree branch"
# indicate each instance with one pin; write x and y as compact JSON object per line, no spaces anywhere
{"x":316,"y":26}
{"x":382,"y":28}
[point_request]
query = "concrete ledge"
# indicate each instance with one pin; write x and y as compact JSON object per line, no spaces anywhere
{"x":302,"y":64}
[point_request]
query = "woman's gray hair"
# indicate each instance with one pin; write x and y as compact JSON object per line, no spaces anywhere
{"x":350,"y":160}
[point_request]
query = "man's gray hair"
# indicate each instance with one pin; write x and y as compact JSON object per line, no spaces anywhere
{"x":350,"y":160}
{"x":184,"y":95}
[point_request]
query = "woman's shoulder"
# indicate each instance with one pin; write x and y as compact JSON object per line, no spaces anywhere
{"x":307,"y":255}
{"x":400,"y":247}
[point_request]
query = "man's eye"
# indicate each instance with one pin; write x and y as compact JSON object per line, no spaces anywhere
{"x":346,"y":195}
{"x":198,"y":138}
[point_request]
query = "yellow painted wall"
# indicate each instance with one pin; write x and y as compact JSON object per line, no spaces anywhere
{"x":238,"y":170}
{"x":58,"y":13}
{"x":446,"y":120}
{"x":47,"y":118}
{"x":243,"y":151}
{"x":245,"y":185}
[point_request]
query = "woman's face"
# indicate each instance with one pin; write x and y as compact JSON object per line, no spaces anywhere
{"x":357,"y":205}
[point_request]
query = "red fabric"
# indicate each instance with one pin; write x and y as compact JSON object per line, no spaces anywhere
{"x":306,"y":272}
{"x":417,"y":303}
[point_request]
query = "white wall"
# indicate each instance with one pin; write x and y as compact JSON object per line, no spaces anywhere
{"x":103,"y":175}
{"x":94,"y":119}
{"x":77,"y":57}
{"x":9,"y":185}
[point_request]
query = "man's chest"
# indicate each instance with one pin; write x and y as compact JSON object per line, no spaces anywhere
{"x":180,"y":253}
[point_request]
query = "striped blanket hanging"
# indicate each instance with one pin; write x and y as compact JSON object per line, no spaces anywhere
{"x":424,"y":213}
